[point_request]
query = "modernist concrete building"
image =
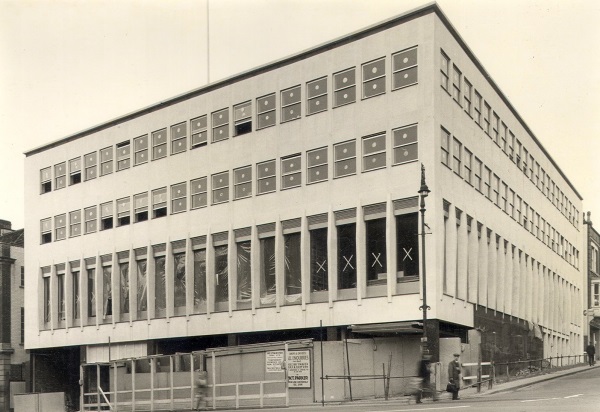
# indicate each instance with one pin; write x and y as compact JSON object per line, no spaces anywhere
{"x":253,"y":208}
{"x":14,"y":360}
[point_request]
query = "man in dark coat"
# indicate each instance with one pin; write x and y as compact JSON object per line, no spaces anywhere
{"x":454,"y":375}
{"x":591,"y":352}
{"x":425,"y":375}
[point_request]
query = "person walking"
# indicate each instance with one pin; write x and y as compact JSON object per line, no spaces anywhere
{"x":425,"y":375}
{"x":454,"y":376}
{"x":591,"y":352}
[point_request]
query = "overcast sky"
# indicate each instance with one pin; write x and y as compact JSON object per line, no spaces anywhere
{"x":66,"y":65}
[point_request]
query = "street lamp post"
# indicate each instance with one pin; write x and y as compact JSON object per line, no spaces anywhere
{"x":423,"y":192}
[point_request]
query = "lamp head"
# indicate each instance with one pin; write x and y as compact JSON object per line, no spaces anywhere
{"x":424,"y":190}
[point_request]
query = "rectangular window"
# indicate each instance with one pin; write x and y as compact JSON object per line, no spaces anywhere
{"x":495,"y":129}
{"x":124,"y":287}
{"x":123,"y":155}
{"x":518,"y":207}
{"x":91,"y":293}
{"x":265,"y":111}
{"x":504,"y":195}
{"x":456,"y":84}
{"x":511,"y":203}
{"x":178,"y":138}
{"x":477,"y":108}
{"x":22,"y":276}
{"x":267,"y":270}
{"x":487,"y":110}
{"x":503,"y":137}
{"x":525,"y":215}
{"x":496,"y":191}
{"x":220,"y":125}
{"x":594,"y":259}
{"x":159,"y":144}
{"x":198,"y":192}
{"x":467,"y":96}
{"x":316,"y":96}
{"x":445,"y":135}
{"x":123,"y":211}
{"x":46,"y":180}
{"x":159,"y":202}
{"x":244,"y":264}
{"x":75,"y":295}
{"x":199,"y":126}
{"x":375,"y":238}
{"x":242,"y":182}
{"x":265,"y":177}
{"x":106,"y":161}
{"x":373,"y":77}
{"x":242,"y":118}
{"x":346,"y":256}
{"x":142,"y":286}
{"x":178,"y":197}
{"x":140,"y":207}
{"x":106,"y":292}
{"x":596,"y":294}
{"x":47,"y":307}
{"x":75,"y":223}
{"x":160,"y":286}
{"x":179,"y":279}
{"x":373,"y":152}
{"x":525,"y":159}
{"x":316,"y":165}
{"x":106,"y":216}
{"x":405,"y":144}
{"x":511,"y":146}
{"x":445,"y":71}
{"x":60,"y":296}
{"x":60,"y":172}
{"x":344,"y":159}
{"x":477,"y":180}
{"x":318,"y":260}
{"x":91,"y":219}
{"x":220,"y":187}
{"x":457,"y":154}
{"x":60,"y":227}
{"x":292,"y":268}
{"x":91,"y":165}
{"x":291,"y":172}
{"x":404,"y":68}
{"x":221,"y":274}
{"x":468,"y":165}
{"x":407,"y":245}
{"x":290,"y":104}
{"x":22,"y":325}
{"x":518,"y":153}
{"x":74,"y":171}
{"x":140,"y":150}
{"x":200,"y":280}
{"x":487,"y":180}
{"x":344,"y":87}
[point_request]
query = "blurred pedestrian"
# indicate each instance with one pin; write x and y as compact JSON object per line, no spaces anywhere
{"x":425,"y":375}
{"x":591,"y":352}
{"x":454,"y":377}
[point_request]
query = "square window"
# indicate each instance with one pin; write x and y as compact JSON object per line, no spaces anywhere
{"x":179,"y":198}
{"x":373,"y":152}
{"x":344,"y":87}
{"x":91,"y":219}
{"x":265,"y":110}
{"x":178,"y":138}
{"x":140,"y":207}
{"x":106,"y":161}
{"x":75,"y":223}
{"x":344,"y":159}
{"x":123,"y":155}
{"x":291,"y":172}
{"x":316,"y":165}
{"x":74,"y":171}
{"x":159,"y":202}
{"x":242,"y":182}
{"x":159,"y":144}
{"x":90,"y":161}
{"x":242,"y":117}
{"x":123,"y":211}
{"x":316,"y":94}
{"x":106,"y":216}
{"x":220,"y":188}
{"x":60,"y":172}
{"x":140,"y":148}
{"x":266,"y":177}
{"x":198,"y":192}
{"x":60,"y":227}
{"x":220,"y":125}
{"x":404,"y":68}
{"x":291,"y":108}
{"x":405,"y":144}
{"x":373,"y":78}
{"x":199,"y":133}
{"x":46,"y":180}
